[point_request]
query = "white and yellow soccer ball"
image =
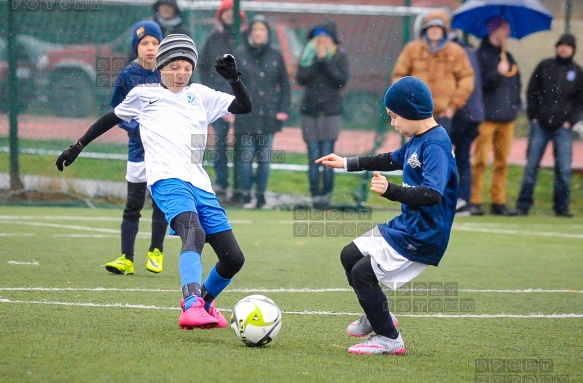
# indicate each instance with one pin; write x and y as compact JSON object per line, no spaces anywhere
{"x":256,"y":320}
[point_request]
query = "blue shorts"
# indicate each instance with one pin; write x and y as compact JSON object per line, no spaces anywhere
{"x":174,"y":196}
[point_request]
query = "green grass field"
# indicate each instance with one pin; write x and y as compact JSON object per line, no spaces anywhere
{"x":63,"y":318}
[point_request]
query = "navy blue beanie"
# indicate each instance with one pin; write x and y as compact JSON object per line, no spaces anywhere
{"x":410,"y":98}
{"x":143,"y":29}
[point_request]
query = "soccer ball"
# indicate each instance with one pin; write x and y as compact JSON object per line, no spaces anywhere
{"x":256,"y":320}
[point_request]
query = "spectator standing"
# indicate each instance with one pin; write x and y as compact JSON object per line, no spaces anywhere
{"x":554,"y":104}
{"x":324,"y":71}
{"x":501,"y":89}
{"x":442,"y":64}
{"x":168,"y":16}
{"x":465,"y":130}
{"x":219,"y":42}
{"x":263,"y":69}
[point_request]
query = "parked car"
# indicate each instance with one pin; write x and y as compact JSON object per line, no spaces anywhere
{"x":31,"y":61}
{"x":76,"y":80}
{"x":80,"y":77}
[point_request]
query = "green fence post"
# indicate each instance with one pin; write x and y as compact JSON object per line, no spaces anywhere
{"x":568,"y":11}
{"x":236,"y":22}
{"x":406,"y":23}
{"x":15,"y":182}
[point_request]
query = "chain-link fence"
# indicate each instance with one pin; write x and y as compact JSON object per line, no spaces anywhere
{"x":67,"y":54}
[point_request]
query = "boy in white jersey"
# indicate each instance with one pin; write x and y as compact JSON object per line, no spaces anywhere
{"x":173,"y":119}
{"x":396,"y":252}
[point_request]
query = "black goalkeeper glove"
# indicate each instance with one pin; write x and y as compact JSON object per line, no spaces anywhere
{"x":227,"y":67}
{"x":68,"y":155}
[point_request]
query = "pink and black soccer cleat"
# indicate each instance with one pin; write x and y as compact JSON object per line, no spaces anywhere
{"x":196,"y":316}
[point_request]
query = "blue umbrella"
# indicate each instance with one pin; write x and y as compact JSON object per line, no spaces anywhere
{"x":524,"y":16}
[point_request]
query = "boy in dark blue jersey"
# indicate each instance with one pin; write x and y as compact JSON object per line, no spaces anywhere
{"x":396,"y":252}
{"x":146,"y":37}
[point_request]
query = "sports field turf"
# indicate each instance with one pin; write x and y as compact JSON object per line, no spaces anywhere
{"x":508,"y":303}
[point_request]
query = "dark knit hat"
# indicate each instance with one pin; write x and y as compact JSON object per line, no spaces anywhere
{"x":176,"y":47}
{"x":410,"y":98}
{"x":567,"y":39}
{"x":259,"y":19}
{"x":143,"y":29}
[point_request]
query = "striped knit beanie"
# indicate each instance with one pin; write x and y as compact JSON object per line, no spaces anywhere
{"x":176,"y":47}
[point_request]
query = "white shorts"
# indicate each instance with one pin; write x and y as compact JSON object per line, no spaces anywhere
{"x":391,"y":268}
{"x":136,"y":172}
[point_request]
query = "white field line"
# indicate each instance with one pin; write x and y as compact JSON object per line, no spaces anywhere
{"x":518,"y":232}
{"x":289,"y":290}
{"x":16,"y":220}
{"x":115,"y":219}
{"x":33,"y":263}
{"x":306,"y":312}
{"x":59,"y":226}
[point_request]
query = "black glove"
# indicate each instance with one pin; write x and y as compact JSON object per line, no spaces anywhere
{"x":227,"y":67}
{"x":68,"y":155}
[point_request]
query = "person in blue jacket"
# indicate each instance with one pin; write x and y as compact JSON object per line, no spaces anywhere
{"x":145,"y":42}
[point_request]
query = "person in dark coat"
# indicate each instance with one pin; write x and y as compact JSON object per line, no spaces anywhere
{"x":554,"y":104}
{"x":169,"y":18}
{"x":465,"y":124}
{"x":263,"y":69}
{"x":324,"y":71}
{"x":219,"y":42}
{"x":501,"y":89}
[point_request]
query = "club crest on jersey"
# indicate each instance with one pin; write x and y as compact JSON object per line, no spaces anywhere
{"x":190,"y":98}
{"x":413,"y":161}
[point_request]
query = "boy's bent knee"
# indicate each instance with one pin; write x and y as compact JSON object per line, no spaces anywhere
{"x":349,"y":255}
{"x":230,"y":265}
{"x":188,"y":227}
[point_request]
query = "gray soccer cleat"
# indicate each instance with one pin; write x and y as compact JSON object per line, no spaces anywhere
{"x":378,"y":344}
{"x":361,"y":327}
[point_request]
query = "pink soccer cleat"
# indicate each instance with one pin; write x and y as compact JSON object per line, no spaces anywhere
{"x":379,"y":345}
{"x":218,"y":316}
{"x":214,"y":313}
{"x":196,"y":316}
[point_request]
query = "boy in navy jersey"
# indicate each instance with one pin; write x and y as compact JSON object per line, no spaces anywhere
{"x":145,"y":42}
{"x":173,"y":119}
{"x":396,"y":252}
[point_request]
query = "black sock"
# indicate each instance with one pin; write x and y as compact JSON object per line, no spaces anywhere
{"x":158,"y":233}
{"x":375,"y":305}
{"x":129,"y":231}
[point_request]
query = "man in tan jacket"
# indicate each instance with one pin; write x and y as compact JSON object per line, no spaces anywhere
{"x":442,"y":64}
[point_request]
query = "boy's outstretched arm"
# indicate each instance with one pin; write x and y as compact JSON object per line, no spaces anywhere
{"x":226,"y":66}
{"x":332,"y":161}
{"x":102,"y":125}
{"x":412,"y":196}
{"x":381,"y":162}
